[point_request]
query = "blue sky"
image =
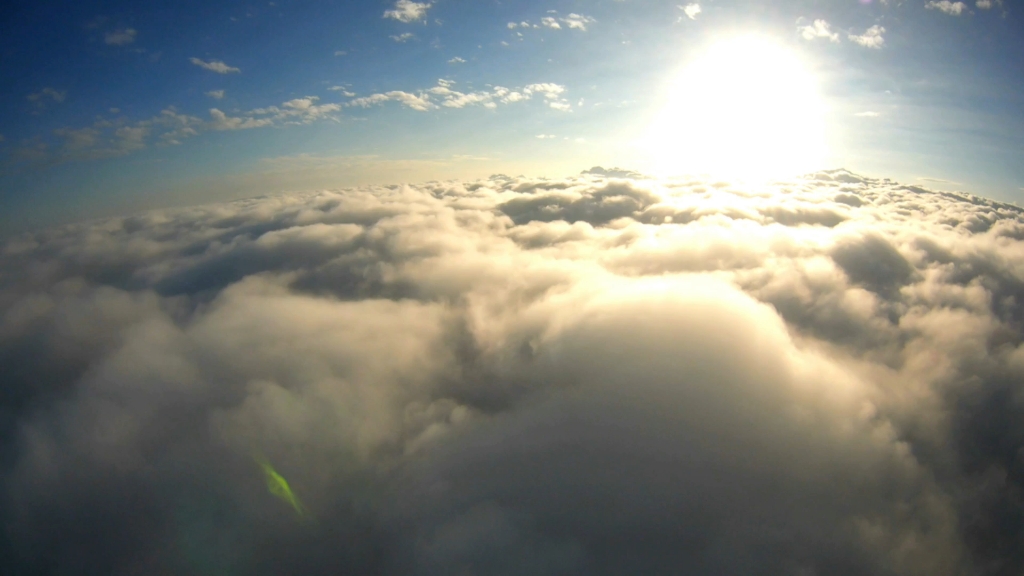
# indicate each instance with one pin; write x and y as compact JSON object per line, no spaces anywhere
{"x":111,"y":107}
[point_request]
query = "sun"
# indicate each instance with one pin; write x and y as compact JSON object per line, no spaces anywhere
{"x":745,"y":108}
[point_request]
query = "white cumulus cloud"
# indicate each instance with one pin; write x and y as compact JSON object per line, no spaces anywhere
{"x":691,"y":10}
{"x":818,"y":29}
{"x":408,"y":11}
{"x":871,"y":38}
{"x":578,"y":21}
{"x":550,"y":22}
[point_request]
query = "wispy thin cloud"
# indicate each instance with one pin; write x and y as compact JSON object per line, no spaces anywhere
{"x":214,"y":66}
{"x":120,"y":37}
{"x":215,"y":94}
{"x":951,"y":8}
{"x":446,"y":96}
{"x":45,"y":97}
{"x":571,"y":22}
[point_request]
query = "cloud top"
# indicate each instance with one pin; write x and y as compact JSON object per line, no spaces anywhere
{"x":521,"y":375}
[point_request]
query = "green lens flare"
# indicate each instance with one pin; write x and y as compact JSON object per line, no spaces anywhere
{"x":278,"y":486}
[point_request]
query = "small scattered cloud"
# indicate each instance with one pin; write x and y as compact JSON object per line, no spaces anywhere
{"x":408,"y":11}
{"x":457,"y":60}
{"x":871,"y":38}
{"x":952,"y":8}
{"x":340,"y":52}
{"x":867,"y":114}
{"x":215,"y":94}
{"x":691,"y":10}
{"x":578,"y":21}
{"x":214,"y":66}
{"x":120,"y":37}
{"x":818,"y":29}
{"x":96,"y":22}
{"x":404,"y":37}
{"x":343,"y":89}
{"x":546,"y":136}
{"x":571,"y":22}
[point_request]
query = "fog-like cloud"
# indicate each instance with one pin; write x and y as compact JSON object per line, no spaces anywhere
{"x":408,"y":11}
{"x":214,"y":66}
{"x":604,"y":374}
{"x":952,"y":8}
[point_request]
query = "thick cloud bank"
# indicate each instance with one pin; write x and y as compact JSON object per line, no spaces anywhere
{"x":605,"y":374}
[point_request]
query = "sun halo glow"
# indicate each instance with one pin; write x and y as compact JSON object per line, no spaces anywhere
{"x":745,"y":108}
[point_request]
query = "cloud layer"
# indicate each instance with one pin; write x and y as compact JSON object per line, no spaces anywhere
{"x":604,"y":374}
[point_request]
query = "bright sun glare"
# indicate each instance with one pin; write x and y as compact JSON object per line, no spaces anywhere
{"x":745,"y":109}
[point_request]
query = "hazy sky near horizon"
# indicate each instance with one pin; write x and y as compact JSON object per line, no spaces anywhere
{"x":110,"y":107}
